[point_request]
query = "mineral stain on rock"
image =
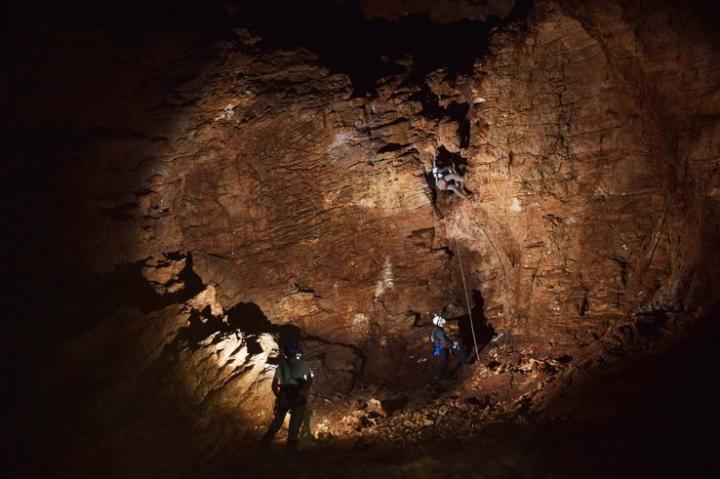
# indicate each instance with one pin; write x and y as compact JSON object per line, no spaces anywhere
{"x":190,"y":186}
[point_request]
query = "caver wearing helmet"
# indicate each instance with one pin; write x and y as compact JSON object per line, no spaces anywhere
{"x":447,"y":179}
{"x":439,"y":321}
{"x":291,"y":385}
{"x":443,"y":346}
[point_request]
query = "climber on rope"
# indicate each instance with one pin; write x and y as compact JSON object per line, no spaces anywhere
{"x":290,"y":385}
{"x":447,"y":179}
{"x":443,"y":346}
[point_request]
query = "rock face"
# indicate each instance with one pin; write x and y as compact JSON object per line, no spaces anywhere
{"x":588,"y":153}
{"x":252,"y":191}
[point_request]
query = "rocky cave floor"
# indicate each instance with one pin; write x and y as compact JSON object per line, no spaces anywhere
{"x":188,"y":185}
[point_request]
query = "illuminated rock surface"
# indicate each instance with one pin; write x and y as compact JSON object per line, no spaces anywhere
{"x":207,"y":187}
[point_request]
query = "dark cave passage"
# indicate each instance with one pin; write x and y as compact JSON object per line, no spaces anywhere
{"x":368,"y":50}
{"x":480,"y":330}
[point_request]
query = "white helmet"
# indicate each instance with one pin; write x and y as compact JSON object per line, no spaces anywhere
{"x":438,"y":321}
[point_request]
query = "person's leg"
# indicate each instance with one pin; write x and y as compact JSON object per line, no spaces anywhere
{"x":444,"y":353}
{"x":454,"y":177}
{"x":276,"y":424}
{"x":297,"y":416}
{"x":306,"y":436}
{"x":456,"y":190}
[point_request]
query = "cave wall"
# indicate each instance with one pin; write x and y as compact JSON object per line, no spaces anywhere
{"x":591,"y":206}
{"x":205,"y":193}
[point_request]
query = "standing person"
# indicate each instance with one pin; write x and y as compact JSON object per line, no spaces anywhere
{"x":443,"y":346}
{"x":291,"y":384}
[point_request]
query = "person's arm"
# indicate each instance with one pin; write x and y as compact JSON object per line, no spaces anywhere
{"x":454,"y":177}
{"x":308,"y":381}
{"x":276,"y":382}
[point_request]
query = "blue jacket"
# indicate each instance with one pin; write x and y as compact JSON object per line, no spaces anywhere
{"x":439,"y":338}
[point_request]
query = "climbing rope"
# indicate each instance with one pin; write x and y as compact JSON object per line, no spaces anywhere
{"x":467,"y":299}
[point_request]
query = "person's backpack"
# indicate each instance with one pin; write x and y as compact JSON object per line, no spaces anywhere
{"x":293,"y":383}
{"x":290,"y":393}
